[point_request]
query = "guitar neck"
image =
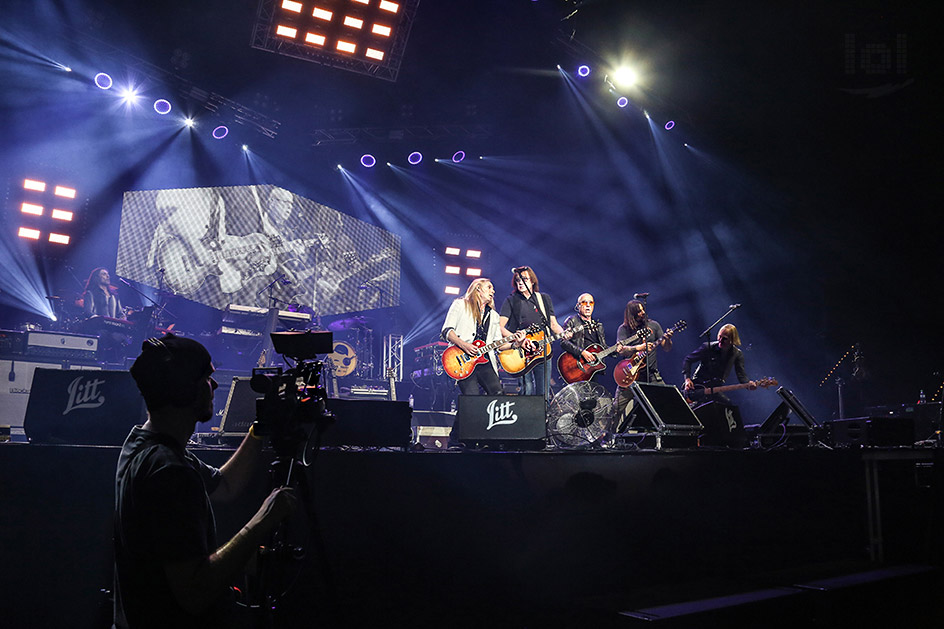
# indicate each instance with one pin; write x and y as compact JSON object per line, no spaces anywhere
{"x":727,"y":387}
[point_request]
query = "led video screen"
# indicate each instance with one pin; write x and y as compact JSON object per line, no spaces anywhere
{"x":259,"y":246}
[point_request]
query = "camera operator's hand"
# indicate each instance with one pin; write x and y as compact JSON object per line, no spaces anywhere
{"x":277,"y":506}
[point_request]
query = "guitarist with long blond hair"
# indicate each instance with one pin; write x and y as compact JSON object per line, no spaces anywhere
{"x":715,"y":363}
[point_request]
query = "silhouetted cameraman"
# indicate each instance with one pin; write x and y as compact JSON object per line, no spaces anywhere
{"x":170,"y":570}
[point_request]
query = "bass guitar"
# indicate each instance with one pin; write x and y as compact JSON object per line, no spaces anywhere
{"x":628,"y":369}
{"x":518,"y":361}
{"x":701,"y":392}
{"x":460,"y":365}
{"x":573,"y":369}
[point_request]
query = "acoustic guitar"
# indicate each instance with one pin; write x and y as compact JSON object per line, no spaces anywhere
{"x":574,"y":369}
{"x":518,"y":361}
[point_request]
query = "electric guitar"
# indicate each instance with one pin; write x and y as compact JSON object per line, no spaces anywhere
{"x":460,"y":365}
{"x":574,"y":369}
{"x":701,"y":392}
{"x":628,"y":369}
{"x":241,"y":259}
{"x":518,"y":361}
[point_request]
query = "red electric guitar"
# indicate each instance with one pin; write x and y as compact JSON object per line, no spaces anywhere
{"x":573,"y":369}
{"x":628,"y":370}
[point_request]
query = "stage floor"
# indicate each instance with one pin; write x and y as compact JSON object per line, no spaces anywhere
{"x":432,"y":533}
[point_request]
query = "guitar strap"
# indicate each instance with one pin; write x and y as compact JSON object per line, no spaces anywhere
{"x":540,"y":297}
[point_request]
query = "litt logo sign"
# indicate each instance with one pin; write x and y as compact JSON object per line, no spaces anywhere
{"x":500,"y":414}
{"x":84,"y":393}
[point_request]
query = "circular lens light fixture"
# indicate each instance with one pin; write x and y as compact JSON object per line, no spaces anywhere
{"x":103,"y":81}
{"x":669,"y":125}
{"x":220,"y":132}
{"x":415,"y":158}
{"x":162,"y":106}
{"x":368,"y":160}
{"x":583,"y":71}
{"x":622,"y":101}
{"x":458,"y":156}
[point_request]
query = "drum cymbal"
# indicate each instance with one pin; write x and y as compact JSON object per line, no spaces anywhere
{"x":347,"y":324}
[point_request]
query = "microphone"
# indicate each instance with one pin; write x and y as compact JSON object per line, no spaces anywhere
{"x":640,"y":295}
{"x":734,"y":306}
{"x":123,"y":280}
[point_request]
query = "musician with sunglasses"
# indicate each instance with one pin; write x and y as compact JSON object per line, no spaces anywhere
{"x":590,"y":334}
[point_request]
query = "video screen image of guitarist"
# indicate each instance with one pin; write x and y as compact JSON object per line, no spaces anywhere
{"x":253,"y":245}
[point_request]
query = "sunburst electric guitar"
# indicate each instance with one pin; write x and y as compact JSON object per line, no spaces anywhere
{"x":628,"y":369}
{"x":518,"y":361}
{"x":460,"y":365}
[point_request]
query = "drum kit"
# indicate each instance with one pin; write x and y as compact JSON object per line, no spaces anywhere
{"x":353,"y":356}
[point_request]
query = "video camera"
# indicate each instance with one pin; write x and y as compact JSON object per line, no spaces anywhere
{"x":294,"y":400}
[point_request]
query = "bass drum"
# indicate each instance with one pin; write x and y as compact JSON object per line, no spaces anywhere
{"x":343,"y":359}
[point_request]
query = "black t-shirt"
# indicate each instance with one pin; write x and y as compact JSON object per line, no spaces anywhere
{"x":523,"y":312}
{"x":162,"y":514}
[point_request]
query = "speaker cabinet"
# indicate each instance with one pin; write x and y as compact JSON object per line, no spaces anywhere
{"x":82,"y":407}
{"x":509,"y":420}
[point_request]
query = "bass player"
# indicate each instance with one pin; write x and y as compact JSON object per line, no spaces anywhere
{"x":715,"y":362}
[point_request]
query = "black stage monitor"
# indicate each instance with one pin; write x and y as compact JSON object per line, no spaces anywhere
{"x":665,"y":408}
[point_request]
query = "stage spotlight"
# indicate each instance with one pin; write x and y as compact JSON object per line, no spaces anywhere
{"x":103,"y":81}
{"x":625,"y":77}
{"x":452,"y":290}
{"x":32,"y":184}
{"x":368,"y":160}
{"x":669,"y":125}
{"x":220,"y":132}
{"x":452,"y":270}
{"x":583,"y":71}
{"x":622,"y":101}
{"x":27,"y":232}
{"x":64,"y":191}
{"x":415,"y":158}
{"x":162,"y":106}
{"x":189,"y":122}
{"x":129,"y":95}
{"x":245,"y":148}
{"x":458,"y":156}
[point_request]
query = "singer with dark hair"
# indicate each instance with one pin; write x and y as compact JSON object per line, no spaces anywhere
{"x":524,"y":307}
{"x":100,"y":297}
{"x":715,"y":362}
{"x":634,"y":319}
{"x":169,"y":569}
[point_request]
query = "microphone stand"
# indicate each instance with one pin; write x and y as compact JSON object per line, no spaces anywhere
{"x":707,"y":332}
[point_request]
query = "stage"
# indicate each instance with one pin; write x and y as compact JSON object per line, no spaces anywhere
{"x":503,"y":537}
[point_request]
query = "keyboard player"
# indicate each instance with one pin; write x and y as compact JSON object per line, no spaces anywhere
{"x":101,"y":304}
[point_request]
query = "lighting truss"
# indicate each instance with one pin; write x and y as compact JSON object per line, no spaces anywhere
{"x":210,"y":101}
{"x":393,"y":356}
{"x":363,"y":36}
{"x":352,"y":135}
